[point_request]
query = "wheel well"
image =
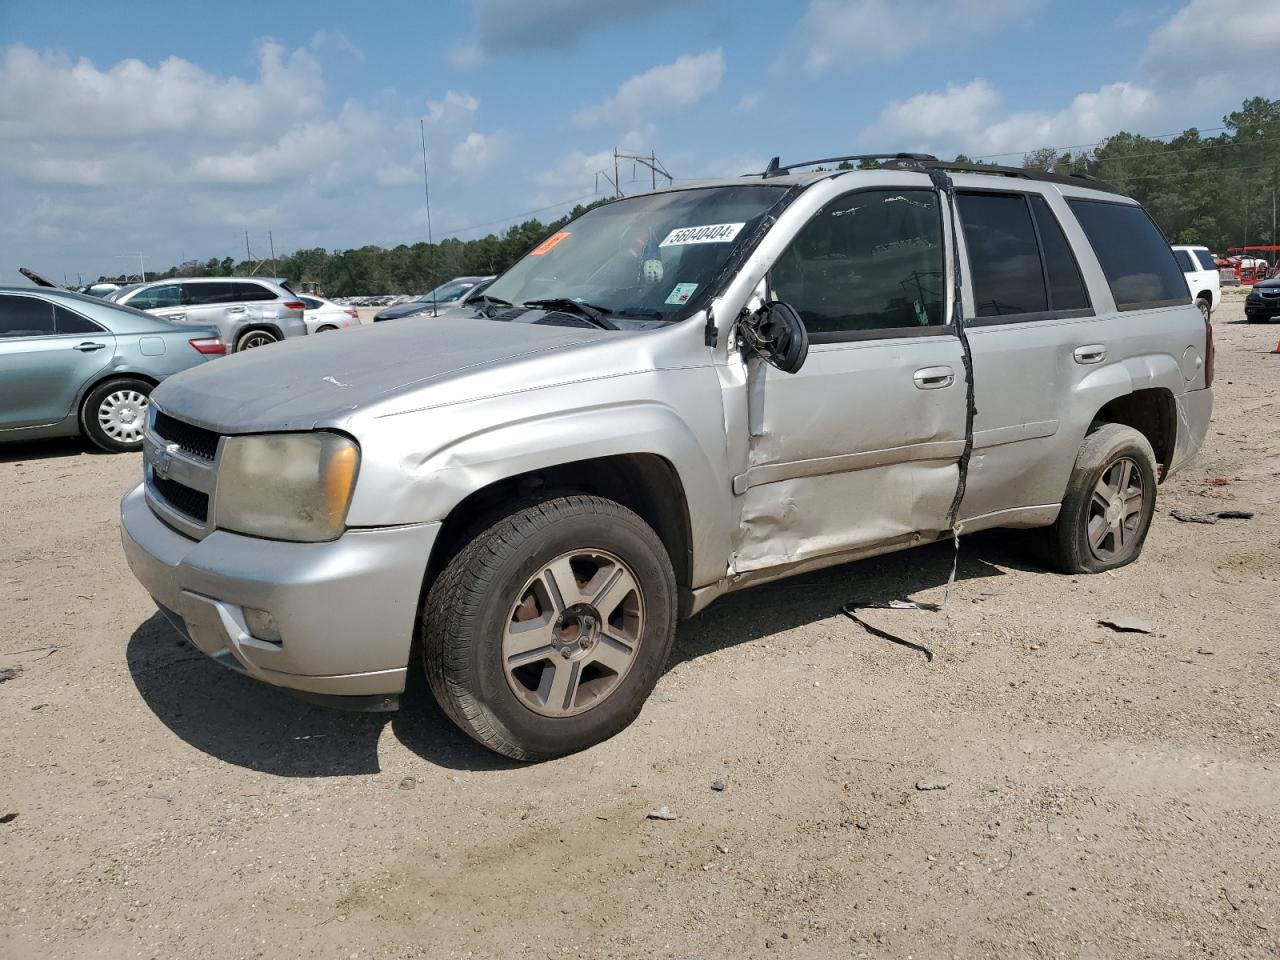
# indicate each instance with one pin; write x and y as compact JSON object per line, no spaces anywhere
{"x":644,"y":483}
{"x":1205,"y":295}
{"x":1153,"y":413}
{"x":250,"y":327}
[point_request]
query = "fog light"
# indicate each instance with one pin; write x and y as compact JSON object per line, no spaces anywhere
{"x":262,"y":625}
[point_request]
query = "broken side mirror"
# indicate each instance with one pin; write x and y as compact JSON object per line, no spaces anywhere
{"x":776,"y":332}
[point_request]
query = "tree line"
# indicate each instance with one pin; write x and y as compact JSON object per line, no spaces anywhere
{"x":1218,"y":191}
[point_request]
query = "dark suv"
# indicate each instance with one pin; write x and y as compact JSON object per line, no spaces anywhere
{"x":247,"y":311}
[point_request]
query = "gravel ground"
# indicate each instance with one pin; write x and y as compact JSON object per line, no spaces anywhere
{"x":1100,"y":794}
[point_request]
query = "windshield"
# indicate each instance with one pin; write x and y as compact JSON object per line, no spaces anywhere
{"x":447,"y":291}
{"x":649,"y":257}
{"x":116,"y":295}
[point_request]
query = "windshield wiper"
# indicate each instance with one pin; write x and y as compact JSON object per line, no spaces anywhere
{"x":640,"y":313}
{"x":590,"y":311}
{"x":489,"y":303}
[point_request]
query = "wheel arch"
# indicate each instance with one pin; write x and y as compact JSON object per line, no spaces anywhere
{"x":252,"y":325}
{"x":104,"y":376}
{"x":1153,"y":412}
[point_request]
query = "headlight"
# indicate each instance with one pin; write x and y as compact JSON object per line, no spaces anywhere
{"x":286,"y":486}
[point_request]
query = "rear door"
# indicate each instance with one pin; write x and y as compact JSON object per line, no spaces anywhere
{"x":860,"y":448}
{"x":43,"y":368}
{"x":1034,"y":332}
{"x":211,"y":304}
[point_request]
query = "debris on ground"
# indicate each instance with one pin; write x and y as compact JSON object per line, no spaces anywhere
{"x":854,"y":609}
{"x":933,"y":783}
{"x":1126,"y":623}
{"x":662,"y":813}
{"x":717,"y":785}
{"x":8,"y":673}
{"x":8,"y":818}
{"x":408,"y":783}
{"x":1211,"y":517}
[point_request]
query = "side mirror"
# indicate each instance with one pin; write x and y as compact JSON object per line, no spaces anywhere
{"x":777,"y":334}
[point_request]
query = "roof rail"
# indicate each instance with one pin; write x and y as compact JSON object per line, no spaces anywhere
{"x":1024,"y":173}
{"x":776,"y":169}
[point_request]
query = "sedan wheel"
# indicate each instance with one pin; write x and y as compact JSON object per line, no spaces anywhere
{"x":255,"y":338}
{"x":114,"y":414}
{"x":1115,"y":511}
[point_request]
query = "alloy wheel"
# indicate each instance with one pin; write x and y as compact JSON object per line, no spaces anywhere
{"x":1116,"y":510}
{"x":573,"y":633}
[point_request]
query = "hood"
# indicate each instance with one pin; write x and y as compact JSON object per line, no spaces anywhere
{"x":410,"y":308}
{"x":301,"y":382}
{"x":1272,"y":283}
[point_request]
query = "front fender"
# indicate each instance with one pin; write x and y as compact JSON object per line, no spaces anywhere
{"x":425,"y":481}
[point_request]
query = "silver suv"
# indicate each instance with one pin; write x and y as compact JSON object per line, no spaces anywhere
{"x":675,"y":396}
{"x":247,"y":312}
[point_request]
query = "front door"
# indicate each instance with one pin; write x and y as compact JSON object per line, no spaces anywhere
{"x":860,"y":449}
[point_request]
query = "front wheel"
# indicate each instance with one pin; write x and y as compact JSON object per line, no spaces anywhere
{"x":545,"y":634}
{"x":1110,"y":501}
{"x":114,"y":414}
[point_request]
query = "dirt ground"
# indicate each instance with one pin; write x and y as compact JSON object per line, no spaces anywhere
{"x":1106,"y":794}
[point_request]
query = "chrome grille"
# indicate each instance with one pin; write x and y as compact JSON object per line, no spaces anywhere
{"x":180,"y":469}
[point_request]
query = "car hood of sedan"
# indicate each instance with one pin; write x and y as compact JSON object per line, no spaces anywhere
{"x":305,"y":382}
{"x":411,"y":307}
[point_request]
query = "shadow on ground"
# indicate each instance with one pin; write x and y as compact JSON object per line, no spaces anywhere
{"x":31,"y":450}
{"x":252,"y":725}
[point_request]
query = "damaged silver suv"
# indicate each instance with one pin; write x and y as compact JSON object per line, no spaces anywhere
{"x":677,"y":395}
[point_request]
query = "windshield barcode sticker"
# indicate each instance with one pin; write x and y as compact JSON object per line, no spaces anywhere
{"x":549,"y":244}
{"x":711,"y":233}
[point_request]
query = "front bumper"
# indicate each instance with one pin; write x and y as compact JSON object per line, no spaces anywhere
{"x":1262,"y":310}
{"x":345,"y":610}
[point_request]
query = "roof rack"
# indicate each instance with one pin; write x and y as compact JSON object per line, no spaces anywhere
{"x":776,"y":169}
{"x":926,"y":161}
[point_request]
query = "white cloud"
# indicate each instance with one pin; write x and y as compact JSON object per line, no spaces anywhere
{"x":1199,"y":38}
{"x":466,"y":56}
{"x":748,"y":102}
{"x":477,"y":153}
{"x":834,"y":33}
{"x":338,"y":43}
{"x":452,"y":110}
{"x":664,"y":89}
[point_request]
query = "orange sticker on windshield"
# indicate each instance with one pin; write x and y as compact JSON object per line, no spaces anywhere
{"x":549,"y":244}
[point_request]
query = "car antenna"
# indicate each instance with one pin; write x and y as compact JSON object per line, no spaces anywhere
{"x":426,"y":193}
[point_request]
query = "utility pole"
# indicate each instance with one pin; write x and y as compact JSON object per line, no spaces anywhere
{"x":653,"y":169}
{"x":615,"y":171}
{"x":142,"y":267}
{"x":272,"y":242}
{"x":247,"y":255}
{"x":656,"y":169}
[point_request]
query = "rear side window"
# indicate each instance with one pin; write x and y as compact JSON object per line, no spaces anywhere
{"x":1206,"y":260}
{"x":1004,"y":259}
{"x":68,"y":322}
{"x":311,"y":303}
{"x":1184,"y":261}
{"x":1066,"y":288}
{"x":249,"y":292}
{"x":1136,"y":259}
{"x":25,"y":317}
{"x":204,"y":294}
{"x":868,"y":262}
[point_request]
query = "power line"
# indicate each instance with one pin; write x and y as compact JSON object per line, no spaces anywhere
{"x":1081,"y":146}
{"x":526,"y":213}
{"x":1204,"y":146}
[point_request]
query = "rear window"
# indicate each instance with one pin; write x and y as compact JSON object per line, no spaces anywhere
{"x":1206,"y":260}
{"x":1003,"y":256}
{"x":1066,"y":289}
{"x":70,"y":322}
{"x":1135,"y":257}
{"x":1184,"y":261}
{"x":251,"y":292}
{"x":203,"y":294}
{"x":25,"y":317}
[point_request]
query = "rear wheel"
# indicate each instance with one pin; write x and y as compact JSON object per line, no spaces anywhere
{"x":1206,"y":307}
{"x":1110,"y":500}
{"x":255,"y":338}
{"x":326,"y":328}
{"x":546,"y":633}
{"x":115,"y":413}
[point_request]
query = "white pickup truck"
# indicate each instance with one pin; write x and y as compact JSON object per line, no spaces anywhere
{"x":1201,"y":273}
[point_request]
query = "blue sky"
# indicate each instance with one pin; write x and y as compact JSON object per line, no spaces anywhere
{"x":160,"y":128}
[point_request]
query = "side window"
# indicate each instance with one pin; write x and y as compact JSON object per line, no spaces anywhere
{"x":1066,"y":288}
{"x":311,"y":303}
{"x":867,"y":261}
{"x":25,"y":317}
{"x":1184,"y":261}
{"x":249,"y":292}
{"x":69,"y":322}
{"x":1004,"y":259}
{"x":205,"y":294}
{"x":1206,"y":260}
{"x":1136,"y":259}
{"x":167,"y":295}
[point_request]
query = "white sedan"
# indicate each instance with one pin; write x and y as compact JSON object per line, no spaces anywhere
{"x":321,"y":315}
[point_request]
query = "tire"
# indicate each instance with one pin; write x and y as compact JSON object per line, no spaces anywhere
{"x":604,"y":655}
{"x":326,"y":328}
{"x":252,"y":339}
{"x":1068,"y":546}
{"x":114,"y":414}
{"x":1206,"y":308}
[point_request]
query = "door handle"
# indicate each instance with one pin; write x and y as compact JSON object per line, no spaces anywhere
{"x":1090,"y":353}
{"x":177,"y":316}
{"x":934,"y":378}
{"x":235,"y":310}
{"x":88,"y":346}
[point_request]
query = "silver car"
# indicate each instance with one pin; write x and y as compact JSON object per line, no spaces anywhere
{"x":675,"y":396}
{"x":246,"y":311}
{"x":71,"y":363}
